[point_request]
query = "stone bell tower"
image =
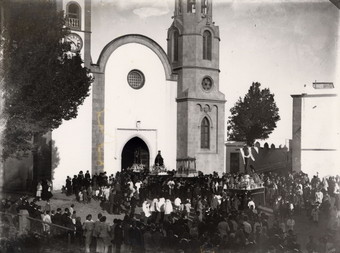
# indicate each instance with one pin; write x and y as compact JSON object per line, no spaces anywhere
{"x":193,"y":50}
{"x":78,"y":20}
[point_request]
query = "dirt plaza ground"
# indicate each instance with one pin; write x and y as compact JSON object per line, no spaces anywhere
{"x":303,"y":229}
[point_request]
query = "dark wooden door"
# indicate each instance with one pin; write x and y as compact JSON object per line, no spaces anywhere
{"x":234,"y":162}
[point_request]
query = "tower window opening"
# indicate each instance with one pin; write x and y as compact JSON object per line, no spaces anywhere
{"x":73,"y":16}
{"x":191,"y":6}
{"x":207,"y":45}
{"x":175,"y":46}
{"x":204,"y":7}
{"x":205,"y":133}
{"x":179,"y":6}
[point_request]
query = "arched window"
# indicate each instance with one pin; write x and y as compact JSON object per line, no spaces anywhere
{"x":207,"y":45}
{"x":73,"y":15}
{"x":205,"y":133}
{"x":175,"y":45}
{"x":191,"y":8}
{"x":204,"y":7}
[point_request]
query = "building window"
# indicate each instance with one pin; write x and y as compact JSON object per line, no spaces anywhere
{"x":136,"y":79}
{"x":205,"y":133}
{"x":175,"y":46}
{"x":179,"y":6}
{"x":204,"y":7}
{"x":207,"y":83}
{"x":73,"y":16}
{"x":207,"y":45}
{"x":191,"y":6}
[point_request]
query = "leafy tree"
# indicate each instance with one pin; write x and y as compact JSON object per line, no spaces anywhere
{"x":253,"y":117}
{"x":44,"y":83}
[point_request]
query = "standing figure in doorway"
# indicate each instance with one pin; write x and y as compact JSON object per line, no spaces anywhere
{"x":136,"y":159}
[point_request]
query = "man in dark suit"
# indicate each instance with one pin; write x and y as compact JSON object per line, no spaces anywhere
{"x":67,"y":222}
{"x":58,"y":220}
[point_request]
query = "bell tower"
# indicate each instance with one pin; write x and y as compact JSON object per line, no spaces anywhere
{"x":78,"y":20}
{"x":193,"y":51}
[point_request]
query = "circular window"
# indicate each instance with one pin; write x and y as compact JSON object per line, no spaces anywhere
{"x":136,"y":79}
{"x":207,"y":83}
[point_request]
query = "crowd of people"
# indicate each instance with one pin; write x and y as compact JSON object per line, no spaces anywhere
{"x":200,"y":214}
{"x":296,"y":192}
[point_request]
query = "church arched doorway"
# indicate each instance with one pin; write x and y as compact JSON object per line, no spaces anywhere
{"x":135,"y":151}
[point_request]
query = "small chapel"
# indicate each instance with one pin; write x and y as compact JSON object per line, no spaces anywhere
{"x":146,"y":99}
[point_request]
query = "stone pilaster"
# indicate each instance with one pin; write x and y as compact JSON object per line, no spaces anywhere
{"x":98,"y":103}
{"x":296,"y":134}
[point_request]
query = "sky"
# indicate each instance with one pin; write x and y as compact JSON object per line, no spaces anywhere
{"x":282,"y":44}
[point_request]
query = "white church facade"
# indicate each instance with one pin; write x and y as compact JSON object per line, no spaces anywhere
{"x":135,"y":107}
{"x":144,"y":99}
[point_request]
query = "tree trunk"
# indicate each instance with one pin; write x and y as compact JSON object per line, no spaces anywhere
{"x":42,"y":158}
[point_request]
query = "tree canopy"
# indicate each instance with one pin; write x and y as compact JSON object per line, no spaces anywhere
{"x":43,"y":82}
{"x":253,"y":117}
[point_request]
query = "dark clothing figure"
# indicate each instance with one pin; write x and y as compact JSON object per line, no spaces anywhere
{"x":44,"y":192}
{"x":136,"y":159}
{"x":67,"y":222}
{"x":79,"y":231}
{"x":75,"y":186}
{"x":111,"y":201}
{"x":159,"y":159}
{"x":68,"y":186}
{"x":58,"y":219}
{"x":118,"y":237}
{"x":87,"y":175}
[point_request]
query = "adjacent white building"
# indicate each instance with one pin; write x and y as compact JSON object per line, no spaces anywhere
{"x":316,"y":130}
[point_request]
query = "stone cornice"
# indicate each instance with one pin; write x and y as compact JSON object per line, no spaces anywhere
{"x":206,"y":100}
{"x":313,"y":95}
{"x":196,"y":67}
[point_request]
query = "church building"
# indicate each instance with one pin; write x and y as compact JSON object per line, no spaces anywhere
{"x":144,"y":100}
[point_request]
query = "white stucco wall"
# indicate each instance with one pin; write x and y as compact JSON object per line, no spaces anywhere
{"x":153,"y":105}
{"x":320,"y":150}
{"x":319,"y":122}
{"x":326,"y":163}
